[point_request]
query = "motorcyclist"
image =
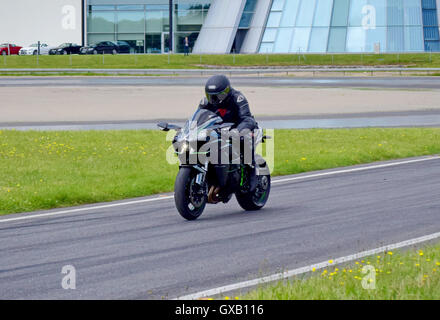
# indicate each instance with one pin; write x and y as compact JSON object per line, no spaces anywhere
{"x":232,"y":106}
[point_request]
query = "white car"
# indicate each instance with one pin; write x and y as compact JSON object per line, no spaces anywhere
{"x":33,"y":49}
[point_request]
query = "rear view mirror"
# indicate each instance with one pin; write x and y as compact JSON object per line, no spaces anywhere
{"x":163,"y":126}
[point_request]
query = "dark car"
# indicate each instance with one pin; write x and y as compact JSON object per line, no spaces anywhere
{"x":124,"y":47}
{"x":66,"y":48}
{"x":100,"y":47}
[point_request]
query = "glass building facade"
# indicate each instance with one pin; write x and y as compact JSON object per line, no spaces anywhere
{"x":351,"y":26}
{"x":145,"y":26}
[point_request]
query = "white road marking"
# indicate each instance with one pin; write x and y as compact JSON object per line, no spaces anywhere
{"x":112,"y":205}
{"x":385,"y":165}
{"x":50,"y":214}
{"x":303,"y":270}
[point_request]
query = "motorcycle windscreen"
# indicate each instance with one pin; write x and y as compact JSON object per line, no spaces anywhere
{"x":203,"y":119}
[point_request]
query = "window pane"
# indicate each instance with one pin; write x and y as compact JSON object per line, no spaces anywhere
{"x":414,"y":39}
{"x":155,"y":21}
{"x":318,"y":40}
{"x":395,"y":39}
{"x":153,"y":43}
{"x":102,"y":8}
{"x":356,"y":12}
{"x":395,"y":13}
{"x":93,"y":38}
{"x":380,"y":7}
{"x":290,"y":13}
{"x":306,"y":13}
{"x":269,"y":35}
{"x":413,"y":12}
{"x":101,"y":22}
{"x":376,"y":36}
{"x":246,"y":19}
{"x":336,"y":41}
{"x":266,"y":47}
{"x":323,"y":13}
{"x":130,"y":7}
{"x":283,"y":40}
{"x":340,"y":13}
{"x":274,"y":20}
{"x":190,"y":17}
{"x":277,"y":5}
{"x":356,"y":38}
{"x":131,"y":21}
{"x":300,"y":41}
{"x":250,"y":5}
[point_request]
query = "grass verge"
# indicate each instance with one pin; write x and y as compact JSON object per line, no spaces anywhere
{"x":176,"y":61}
{"x":403,"y":275}
{"x":44,"y":170}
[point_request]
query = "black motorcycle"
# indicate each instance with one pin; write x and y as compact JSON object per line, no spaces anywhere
{"x":203,"y":145}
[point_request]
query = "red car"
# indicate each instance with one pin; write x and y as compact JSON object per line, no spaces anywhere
{"x":13,"y":49}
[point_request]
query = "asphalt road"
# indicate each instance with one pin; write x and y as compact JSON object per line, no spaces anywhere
{"x":429,"y":118}
{"x":146,"y":250}
{"x":324,"y":82}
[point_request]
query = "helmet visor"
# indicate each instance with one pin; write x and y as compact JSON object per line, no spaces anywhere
{"x":219,"y":97}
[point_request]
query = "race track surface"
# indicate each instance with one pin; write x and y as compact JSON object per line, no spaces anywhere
{"x":320,"y":82}
{"x":147,"y":251}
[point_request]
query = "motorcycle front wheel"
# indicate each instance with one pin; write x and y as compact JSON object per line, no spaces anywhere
{"x":190,"y":197}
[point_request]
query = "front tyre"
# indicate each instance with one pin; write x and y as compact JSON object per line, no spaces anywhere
{"x":190,"y":198}
{"x":257,"y":199}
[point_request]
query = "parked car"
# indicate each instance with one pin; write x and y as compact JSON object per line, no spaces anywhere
{"x":33,"y":49}
{"x":101,"y":47}
{"x":9,"y":48}
{"x":124,"y":47}
{"x":66,"y":48}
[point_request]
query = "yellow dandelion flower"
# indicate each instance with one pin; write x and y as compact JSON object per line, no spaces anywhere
{"x":330,"y":261}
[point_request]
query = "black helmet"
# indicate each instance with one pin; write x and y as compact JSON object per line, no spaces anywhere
{"x":218,"y":89}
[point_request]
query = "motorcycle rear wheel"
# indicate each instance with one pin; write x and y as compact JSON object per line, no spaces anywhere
{"x":190,"y":201}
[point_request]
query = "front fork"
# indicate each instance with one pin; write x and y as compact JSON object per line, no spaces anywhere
{"x":201,"y":176}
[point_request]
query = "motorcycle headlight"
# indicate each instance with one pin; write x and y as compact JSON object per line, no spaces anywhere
{"x":185,"y":147}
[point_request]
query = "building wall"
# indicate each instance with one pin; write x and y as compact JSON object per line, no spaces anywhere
{"x":220,"y":28}
{"x":253,"y":37}
{"x":319,"y":26}
{"x":24,"y":22}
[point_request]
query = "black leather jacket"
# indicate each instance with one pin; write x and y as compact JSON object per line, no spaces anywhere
{"x":235,"y":109}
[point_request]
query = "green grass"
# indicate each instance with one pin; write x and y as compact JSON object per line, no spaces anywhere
{"x":43,"y":170}
{"x":405,"y":275}
{"x":199,"y":61}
